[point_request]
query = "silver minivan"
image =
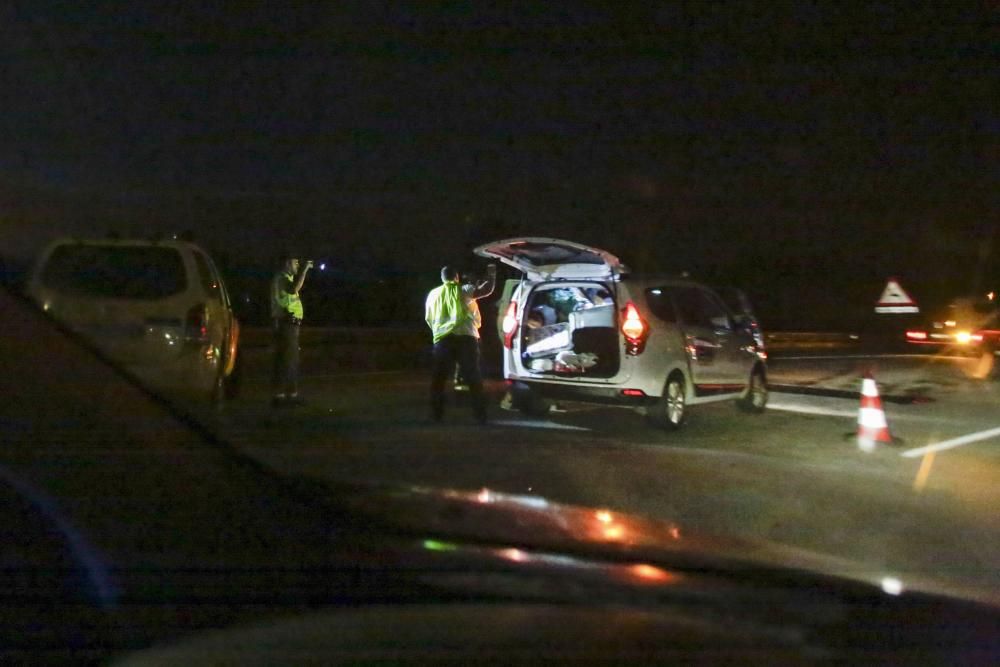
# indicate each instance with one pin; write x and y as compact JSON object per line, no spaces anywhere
{"x":577,"y":326}
{"x":160,"y":309}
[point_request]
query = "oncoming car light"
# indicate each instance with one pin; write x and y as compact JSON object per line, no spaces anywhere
{"x":964,"y":338}
{"x":892,"y":585}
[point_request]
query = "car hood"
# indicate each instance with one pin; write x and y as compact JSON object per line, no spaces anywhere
{"x":546,"y":258}
{"x":534,"y":524}
{"x":521,"y":580}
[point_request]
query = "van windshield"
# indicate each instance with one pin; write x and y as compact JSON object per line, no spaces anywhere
{"x":117,"y":272}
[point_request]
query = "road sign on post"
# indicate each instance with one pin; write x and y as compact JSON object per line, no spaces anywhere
{"x":894,"y":300}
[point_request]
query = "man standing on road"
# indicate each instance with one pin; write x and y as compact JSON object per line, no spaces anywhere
{"x":472,"y":291}
{"x":452,"y":313}
{"x":286,"y":313}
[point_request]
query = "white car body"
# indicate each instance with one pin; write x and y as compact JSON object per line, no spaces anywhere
{"x":614,"y":338}
{"x":159,"y":309}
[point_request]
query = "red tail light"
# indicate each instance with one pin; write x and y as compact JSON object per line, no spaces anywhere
{"x":916,"y":335}
{"x":196,"y":324}
{"x":635,"y":329}
{"x":510,"y":325}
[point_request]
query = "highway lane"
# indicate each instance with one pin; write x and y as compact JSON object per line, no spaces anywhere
{"x":794,"y":474}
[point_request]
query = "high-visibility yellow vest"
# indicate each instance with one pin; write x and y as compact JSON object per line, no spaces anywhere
{"x":445,"y":310}
{"x":282,"y":300}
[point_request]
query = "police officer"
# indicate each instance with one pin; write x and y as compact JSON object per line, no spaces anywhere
{"x":286,"y":313}
{"x":452,"y":314}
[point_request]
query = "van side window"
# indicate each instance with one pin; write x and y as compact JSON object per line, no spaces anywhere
{"x":689,"y":304}
{"x":661,"y":304}
{"x":115,"y":272}
{"x":697,"y":307}
{"x":735,"y":300}
{"x":716,"y":311}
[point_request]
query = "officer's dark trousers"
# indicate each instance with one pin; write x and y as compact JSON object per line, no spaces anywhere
{"x":448,"y":351}
{"x":285,"y":375}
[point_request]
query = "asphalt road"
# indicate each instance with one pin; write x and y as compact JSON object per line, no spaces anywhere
{"x":794,"y":474}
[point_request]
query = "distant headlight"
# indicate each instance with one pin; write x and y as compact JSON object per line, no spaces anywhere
{"x":963,"y":337}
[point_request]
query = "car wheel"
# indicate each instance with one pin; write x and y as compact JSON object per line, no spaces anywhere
{"x":220,"y":387}
{"x":234,"y":382}
{"x":218,"y":395}
{"x":755,"y":398}
{"x":670,"y":410}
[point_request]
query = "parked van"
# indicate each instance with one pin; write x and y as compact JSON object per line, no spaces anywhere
{"x":578,"y":326}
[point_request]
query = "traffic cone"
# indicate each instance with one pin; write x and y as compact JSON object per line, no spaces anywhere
{"x":872,"y":426}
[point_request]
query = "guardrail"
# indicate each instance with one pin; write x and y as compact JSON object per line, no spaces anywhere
{"x":805,"y":341}
{"x":346,"y":348}
{"x":381,"y":348}
{"x":310,"y":336}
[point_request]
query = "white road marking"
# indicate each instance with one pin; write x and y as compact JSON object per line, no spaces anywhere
{"x":954,"y":442}
{"x":541,"y":424}
{"x":805,"y":404}
{"x":811,"y":410}
{"x":345,"y":374}
{"x":920,"y":481}
{"x":832,"y":357}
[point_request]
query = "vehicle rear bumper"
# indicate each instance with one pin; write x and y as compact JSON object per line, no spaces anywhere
{"x":191,"y":372}
{"x":586,"y":393}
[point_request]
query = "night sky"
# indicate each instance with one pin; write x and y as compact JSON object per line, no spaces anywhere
{"x":807,"y":150}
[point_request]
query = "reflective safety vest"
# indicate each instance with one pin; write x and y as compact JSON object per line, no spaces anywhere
{"x":445,"y":310}
{"x":283,"y":302}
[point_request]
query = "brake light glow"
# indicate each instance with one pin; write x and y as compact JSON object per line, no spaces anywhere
{"x":633,"y":392}
{"x":196,"y":324}
{"x":634,"y":328}
{"x":916,"y":335}
{"x":510,"y":325}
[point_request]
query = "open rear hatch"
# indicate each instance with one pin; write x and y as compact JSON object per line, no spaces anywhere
{"x":553,"y":259}
{"x":568,"y":322}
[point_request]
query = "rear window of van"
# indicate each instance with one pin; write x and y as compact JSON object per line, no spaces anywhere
{"x":115,"y":272}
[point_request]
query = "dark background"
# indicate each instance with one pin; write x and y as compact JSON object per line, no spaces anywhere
{"x":806,"y":151}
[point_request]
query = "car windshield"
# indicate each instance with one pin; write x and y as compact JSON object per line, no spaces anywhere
{"x":115,"y":272}
{"x":615,"y":305}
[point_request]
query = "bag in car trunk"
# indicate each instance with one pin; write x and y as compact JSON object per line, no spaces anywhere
{"x":581,"y":342}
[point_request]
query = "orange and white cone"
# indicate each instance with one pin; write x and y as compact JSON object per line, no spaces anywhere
{"x":872,"y":425}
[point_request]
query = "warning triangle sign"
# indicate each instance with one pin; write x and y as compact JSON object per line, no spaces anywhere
{"x":894,"y":299}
